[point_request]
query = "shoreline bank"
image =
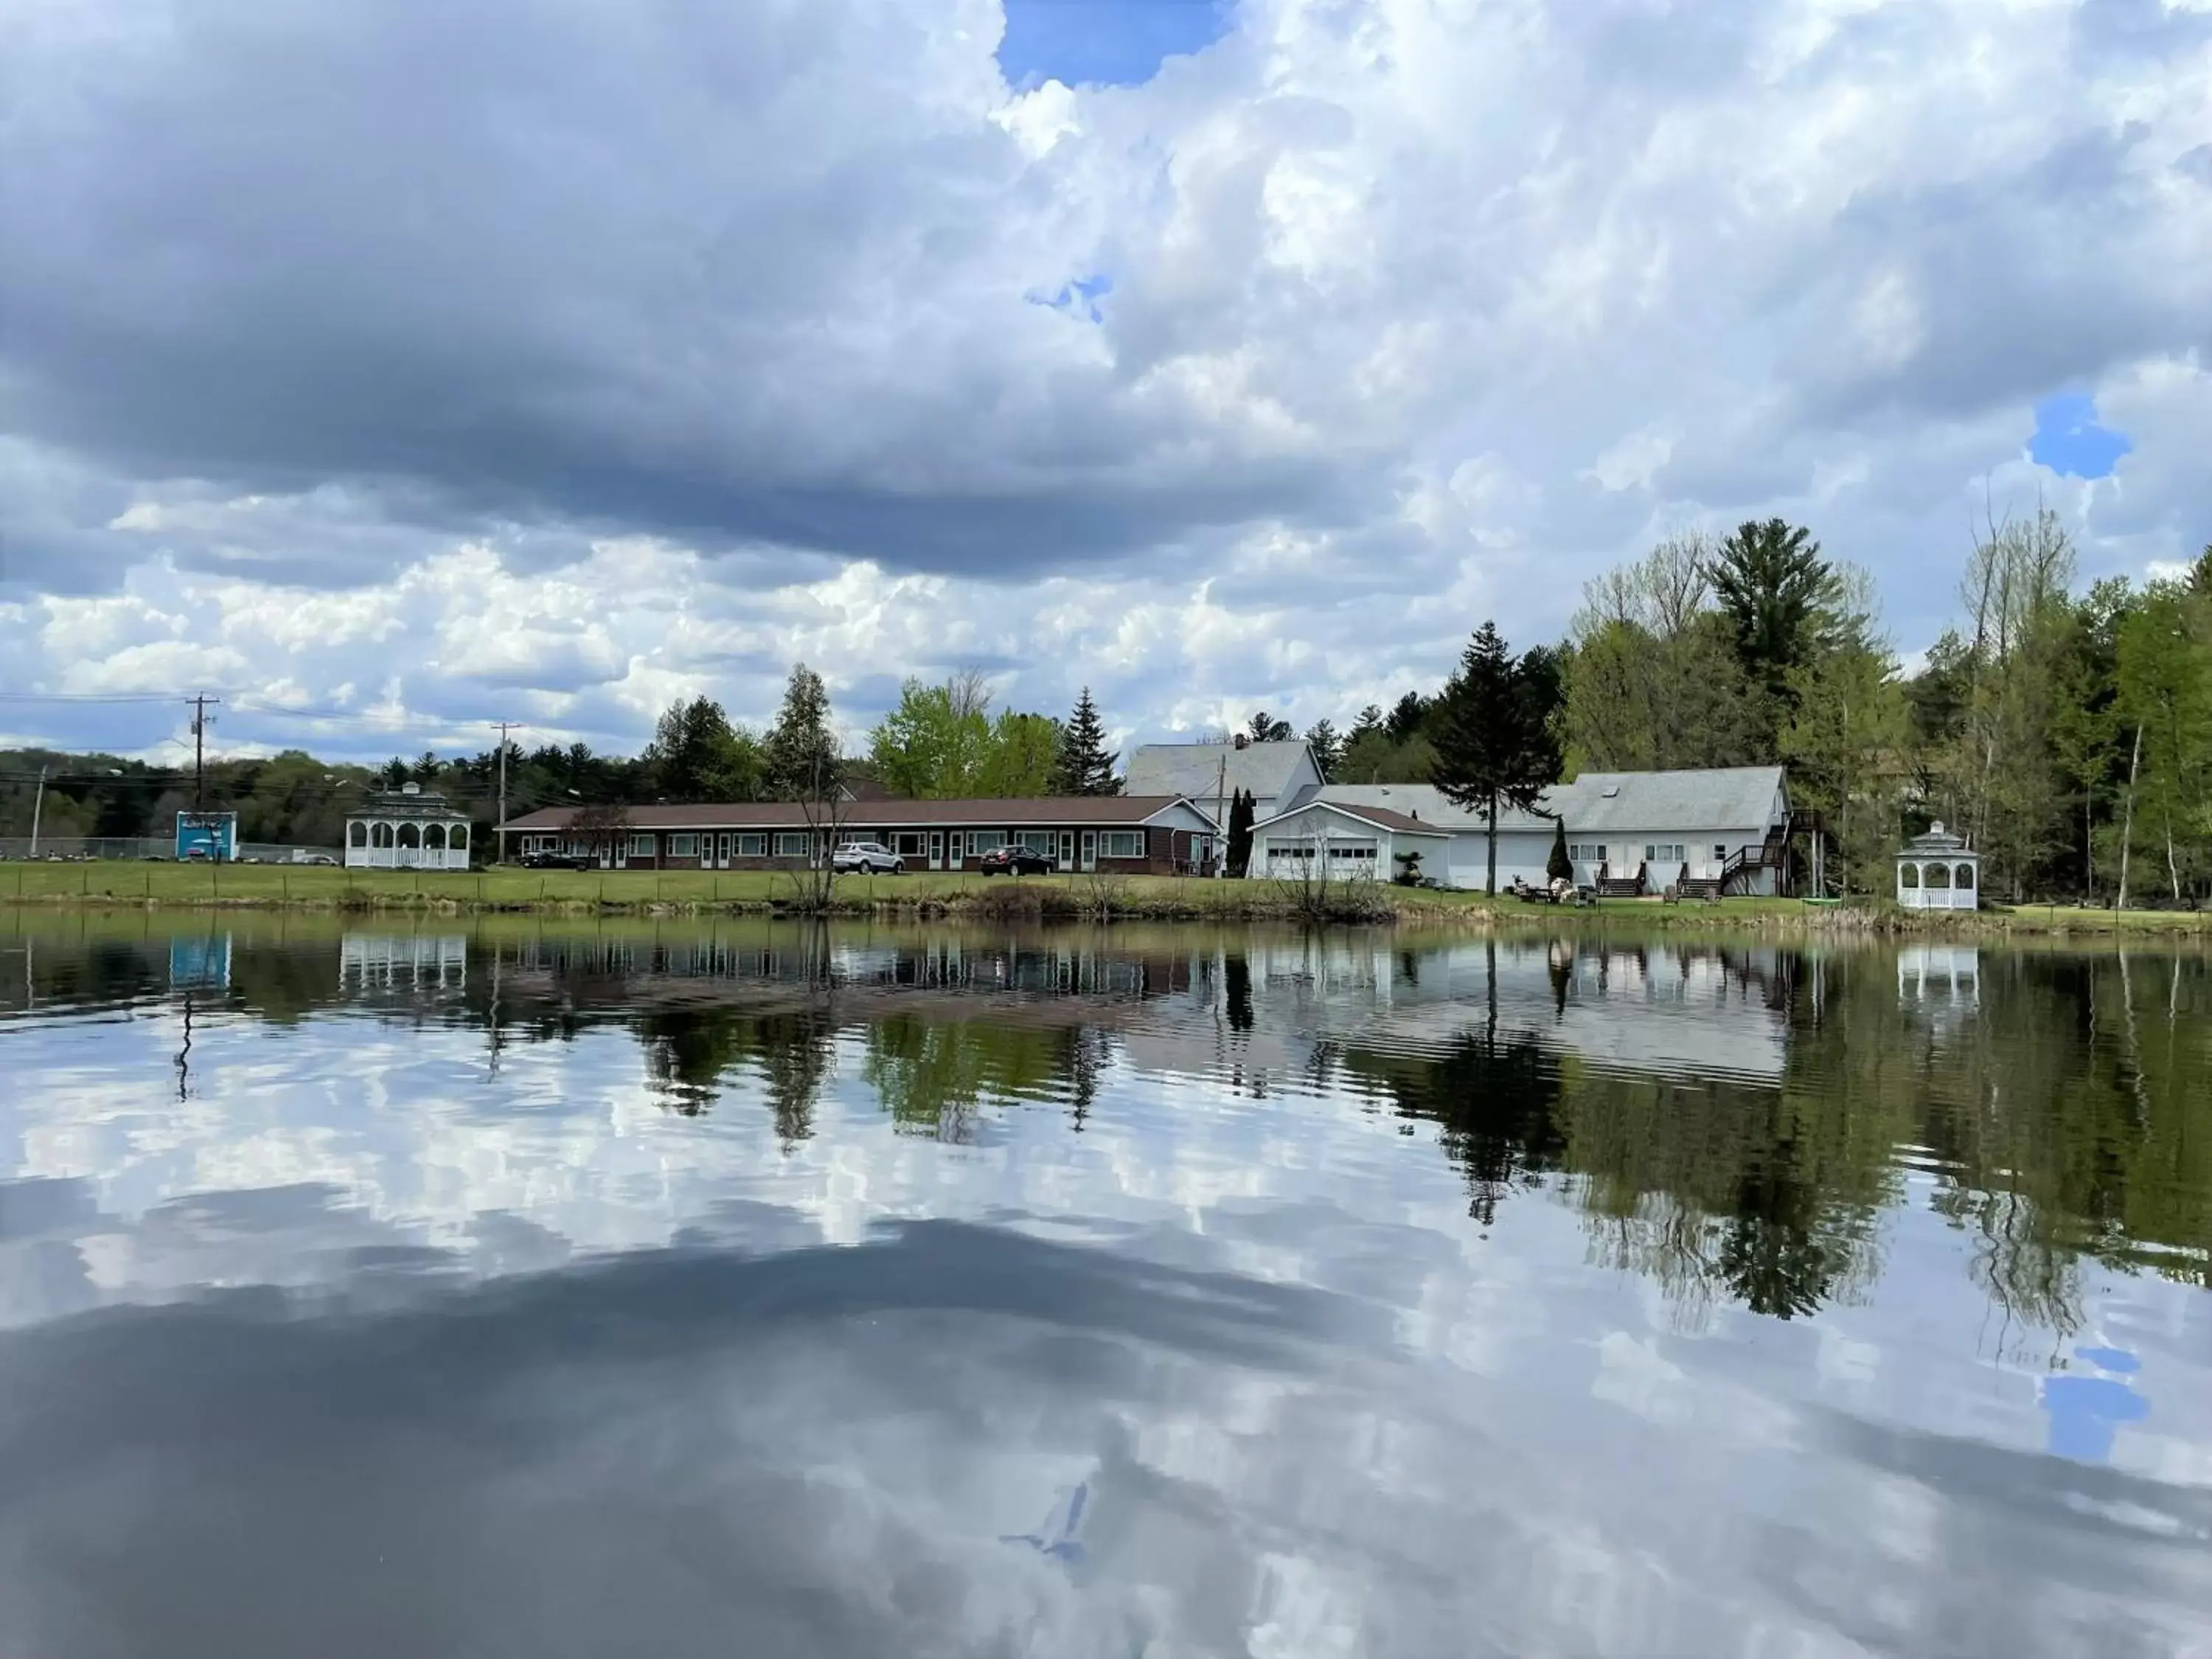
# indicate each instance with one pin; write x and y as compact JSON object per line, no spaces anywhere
{"x":54,"y":888}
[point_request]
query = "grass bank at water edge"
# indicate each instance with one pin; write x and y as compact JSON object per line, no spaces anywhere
{"x":1093,"y":898}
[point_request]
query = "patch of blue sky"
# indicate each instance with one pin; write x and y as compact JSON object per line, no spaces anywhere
{"x":1120,"y":43}
{"x":2069,"y":441}
{"x":1079,"y":298}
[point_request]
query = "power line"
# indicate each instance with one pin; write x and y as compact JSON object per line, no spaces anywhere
{"x":85,"y":697}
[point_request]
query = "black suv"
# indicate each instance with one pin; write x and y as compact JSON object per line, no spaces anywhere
{"x":1016,"y":861}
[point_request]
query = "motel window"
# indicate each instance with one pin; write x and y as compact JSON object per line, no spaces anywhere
{"x":791,"y":845}
{"x":1035,"y":840}
{"x":1121,"y":844}
{"x":910,"y":843}
{"x":751,"y":847}
{"x":683,"y":847}
{"x":640,"y":846}
{"x":985,"y":841}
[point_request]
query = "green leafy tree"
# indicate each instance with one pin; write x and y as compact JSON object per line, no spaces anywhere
{"x":801,"y":757}
{"x":932,"y":746}
{"x":1084,"y":765}
{"x":1653,"y":679}
{"x":1023,"y":756}
{"x":698,"y":755}
{"x":2165,"y":675}
{"x":1495,"y":734}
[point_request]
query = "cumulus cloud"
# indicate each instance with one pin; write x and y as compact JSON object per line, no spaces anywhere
{"x":1262,"y":381}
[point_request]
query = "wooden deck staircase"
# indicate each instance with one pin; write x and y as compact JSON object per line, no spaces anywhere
{"x":1744,"y":865}
{"x":1612,"y":886}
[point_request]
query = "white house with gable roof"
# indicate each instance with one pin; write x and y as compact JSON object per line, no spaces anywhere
{"x":1722,"y":829}
{"x":1209,"y":774}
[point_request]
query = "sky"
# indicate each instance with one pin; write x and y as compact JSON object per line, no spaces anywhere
{"x":546,"y":362}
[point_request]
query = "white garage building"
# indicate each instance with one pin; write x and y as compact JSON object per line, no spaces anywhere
{"x":1721,"y":829}
{"x":1344,"y":842}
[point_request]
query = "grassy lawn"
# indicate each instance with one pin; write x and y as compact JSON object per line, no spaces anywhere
{"x":313,"y":886}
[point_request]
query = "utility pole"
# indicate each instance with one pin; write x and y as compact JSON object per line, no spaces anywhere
{"x":200,"y":749}
{"x":38,"y":805}
{"x":505,"y":726}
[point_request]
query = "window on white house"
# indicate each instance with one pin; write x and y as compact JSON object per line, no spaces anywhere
{"x":640,"y":846}
{"x":1121,"y":844}
{"x":1364,"y":849}
{"x":791,"y":844}
{"x":751,"y":847}
{"x":1720,"y":851}
{"x":683,"y":847}
{"x":1663,"y":852}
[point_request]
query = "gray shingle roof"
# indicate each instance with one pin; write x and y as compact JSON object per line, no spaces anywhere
{"x":1194,"y":769}
{"x":1428,"y":803}
{"x":1381,"y":817}
{"x":1722,"y":798}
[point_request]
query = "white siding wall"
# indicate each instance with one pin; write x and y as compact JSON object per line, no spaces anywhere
{"x":1521,"y":852}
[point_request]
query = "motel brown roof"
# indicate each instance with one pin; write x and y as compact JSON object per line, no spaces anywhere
{"x":1076,"y":811}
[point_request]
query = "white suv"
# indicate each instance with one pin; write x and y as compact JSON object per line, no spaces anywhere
{"x":867,"y":858}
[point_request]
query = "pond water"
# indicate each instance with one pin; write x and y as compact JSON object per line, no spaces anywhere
{"x":552,"y":1289}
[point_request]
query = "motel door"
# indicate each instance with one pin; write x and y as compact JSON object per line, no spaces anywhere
{"x":937,"y":849}
{"x":1091,"y":849}
{"x":721,"y":858}
{"x":1067,"y":849}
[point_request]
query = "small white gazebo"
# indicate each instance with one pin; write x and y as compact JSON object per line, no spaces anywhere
{"x":1938,"y":871}
{"x":406,"y":828}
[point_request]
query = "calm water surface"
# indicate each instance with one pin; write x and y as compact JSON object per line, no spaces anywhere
{"x":761,"y":1290}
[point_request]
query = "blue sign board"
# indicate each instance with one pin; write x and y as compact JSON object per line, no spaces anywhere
{"x":207,"y":836}
{"x":200,"y":964}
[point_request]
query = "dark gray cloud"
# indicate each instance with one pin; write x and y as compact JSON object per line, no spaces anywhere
{"x":753,"y":274}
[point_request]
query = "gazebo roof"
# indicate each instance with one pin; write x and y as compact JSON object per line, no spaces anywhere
{"x":408,"y":803}
{"x":1938,"y":842}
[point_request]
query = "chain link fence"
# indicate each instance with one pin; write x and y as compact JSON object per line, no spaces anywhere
{"x":161,"y":848}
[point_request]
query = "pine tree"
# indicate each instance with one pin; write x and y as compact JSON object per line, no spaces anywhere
{"x":1085,"y":765}
{"x":1242,"y":810}
{"x":1328,"y":748}
{"x":1769,"y":580}
{"x":1559,"y":867}
{"x":1494,"y":731}
{"x":802,"y":758}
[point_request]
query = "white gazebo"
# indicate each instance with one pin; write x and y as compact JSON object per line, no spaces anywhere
{"x":1938,"y":871}
{"x":404,"y":828}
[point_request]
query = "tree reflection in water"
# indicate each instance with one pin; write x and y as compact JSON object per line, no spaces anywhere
{"x":2055,"y":1108}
